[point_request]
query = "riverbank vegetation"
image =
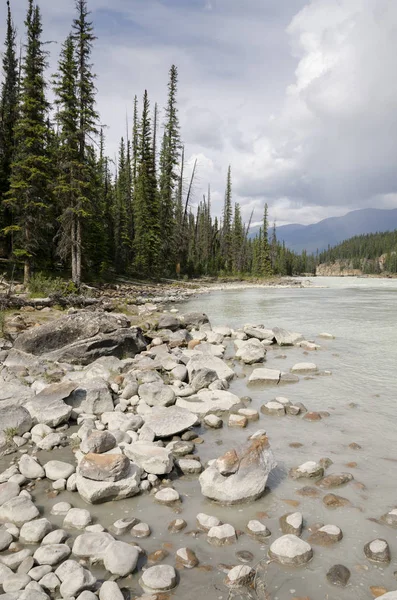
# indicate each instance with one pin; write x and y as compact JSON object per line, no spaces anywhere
{"x":68,"y":209}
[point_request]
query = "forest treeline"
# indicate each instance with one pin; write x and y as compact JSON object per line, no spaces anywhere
{"x":66,"y":206}
{"x":372,"y":253}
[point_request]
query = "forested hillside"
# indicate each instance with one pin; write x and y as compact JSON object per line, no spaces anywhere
{"x":372,"y":254}
{"x":66,"y":207}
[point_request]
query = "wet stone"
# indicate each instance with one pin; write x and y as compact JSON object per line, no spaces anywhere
{"x":338,"y":575}
{"x":292,"y":523}
{"x":291,"y":550}
{"x":177,"y":525}
{"x":240,"y":576}
{"x":157,"y":556}
{"x":335,"y":501}
{"x":326,"y":535}
{"x":167,"y":496}
{"x":244,"y":556}
{"x":222,"y":535}
{"x":141,"y":530}
{"x":377,"y":551}
{"x":186,"y":558}
{"x":335,"y":480}
{"x":390,"y":518}
{"x":160,"y":578}
{"x":258,"y":530}
{"x":308,"y":470}
{"x":308,"y":492}
{"x":213,"y":422}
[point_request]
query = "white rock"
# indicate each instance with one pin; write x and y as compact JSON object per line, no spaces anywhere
{"x":51,"y":554}
{"x":30,"y":468}
{"x":291,"y":550}
{"x":160,"y":578}
{"x":222,"y":535}
{"x":92,"y":545}
{"x":34,"y":531}
{"x":77,"y":518}
{"x":208,"y":402}
{"x":263,"y":375}
{"x":121,"y":558}
{"x":167,"y":496}
{"x":304,"y":367}
{"x":18,"y":510}
{"x":206,"y":522}
{"x":56,"y":469}
{"x":152,"y":459}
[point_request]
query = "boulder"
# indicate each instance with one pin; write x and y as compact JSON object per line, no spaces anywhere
{"x":206,"y":522}
{"x":158,"y":579}
{"x":208,"y":402}
{"x":120,"y":558}
{"x":263,"y":375}
{"x":104,"y":467}
{"x":14,"y":420}
{"x":48,"y":406}
{"x":207,"y":361}
{"x":83,"y":337}
{"x":98,"y":442}
{"x":290,"y":550}
{"x":91,"y":396}
{"x":110,"y":591}
{"x":92,"y":546}
{"x":326,"y":535}
{"x":56,"y":469}
{"x":248,"y":482}
{"x":30,"y":468}
{"x":34,"y":531}
{"x":95,"y":492}
{"x":287,"y":338}
{"x":8,"y":490}
{"x":118,"y":421}
{"x":18,"y":510}
{"x":166,"y":422}
{"x":251,"y":352}
{"x":141,"y":530}
{"x":168,"y":322}
{"x":195,"y":320}
{"x":77,"y":518}
{"x":150,"y":458}
{"x":51,"y":554}
{"x":157,"y":394}
{"x":390,"y":518}
{"x":167,"y":496}
{"x":258,"y":530}
{"x":76,"y":581}
{"x":203,"y":378}
{"x":273,"y":408}
{"x":259,"y":333}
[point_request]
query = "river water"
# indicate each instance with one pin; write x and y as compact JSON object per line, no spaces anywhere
{"x":361,"y":397}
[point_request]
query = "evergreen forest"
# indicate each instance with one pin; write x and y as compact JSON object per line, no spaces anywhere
{"x":66,"y":208}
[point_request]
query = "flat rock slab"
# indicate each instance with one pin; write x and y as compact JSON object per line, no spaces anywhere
{"x":48,"y":406}
{"x":8,"y":490}
{"x":287,"y":338}
{"x":304,"y":368}
{"x":15,"y":419}
{"x":92,"y":546}
{"x":152,"y":459}
{"x":208,"y":361}
{"x":166,"y":422}
{"x":209,"y":402}
{"x":104,"y":467}
{"x":95,"y":492}
{"x":263,"y":375}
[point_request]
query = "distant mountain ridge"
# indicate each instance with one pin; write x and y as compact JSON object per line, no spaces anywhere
{"x":334,"y":230}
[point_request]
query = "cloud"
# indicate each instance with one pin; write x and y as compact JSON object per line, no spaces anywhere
{"x":298,"y":96}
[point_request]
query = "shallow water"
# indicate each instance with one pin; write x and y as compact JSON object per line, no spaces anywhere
{"x":362,"y":358}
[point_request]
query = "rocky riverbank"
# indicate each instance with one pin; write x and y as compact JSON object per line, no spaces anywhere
{"x":111,"y":434}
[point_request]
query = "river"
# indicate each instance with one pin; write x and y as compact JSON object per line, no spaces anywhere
{"x":361,"y":397}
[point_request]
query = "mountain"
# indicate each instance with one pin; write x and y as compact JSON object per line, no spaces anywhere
{"x":334,"y":230}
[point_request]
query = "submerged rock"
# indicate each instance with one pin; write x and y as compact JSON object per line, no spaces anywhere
{"x":378,"y":551}
{"x":339,"y":575}
{"x":291,"y":550}
{"x":157,"y":579}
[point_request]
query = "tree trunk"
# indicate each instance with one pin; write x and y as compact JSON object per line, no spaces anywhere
{"x":73,"y":248}
{"x":78,"y":252}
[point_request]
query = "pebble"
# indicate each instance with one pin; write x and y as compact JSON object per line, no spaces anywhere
{"x":377,"y":551}
{"x":339,"y":575}
{"x":186,"y":558}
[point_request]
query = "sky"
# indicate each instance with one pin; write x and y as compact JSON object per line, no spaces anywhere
{"x":298,"y":96}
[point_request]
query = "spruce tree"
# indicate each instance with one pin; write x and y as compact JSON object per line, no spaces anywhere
{"x":266,"y":266}
{"x":148,"y":232}
{"x":237,"y":240}
{"x":29,"y":195}
{"x":8,"y":119}
{"x":84,"y":212}
{"x":227,"y":238}
{"x":169,"y":162}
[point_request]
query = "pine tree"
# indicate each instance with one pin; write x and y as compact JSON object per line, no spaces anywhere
{"x":238,"y":240}
{"x":68,"y":163}
{"x":147,"y":240}
{"x":265,"y":261}
{"x":84,"y":212}
{"x":29,"y":195}
{"x":122,"y":208}
{"x":8,"y":119}
{"x":227,"y":237}
{"x":169,"y":161}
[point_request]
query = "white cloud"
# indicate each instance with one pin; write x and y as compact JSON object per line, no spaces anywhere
{"x":298,"y":96}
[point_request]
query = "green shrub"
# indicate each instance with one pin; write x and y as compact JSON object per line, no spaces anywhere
{"x":42,"y":286}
